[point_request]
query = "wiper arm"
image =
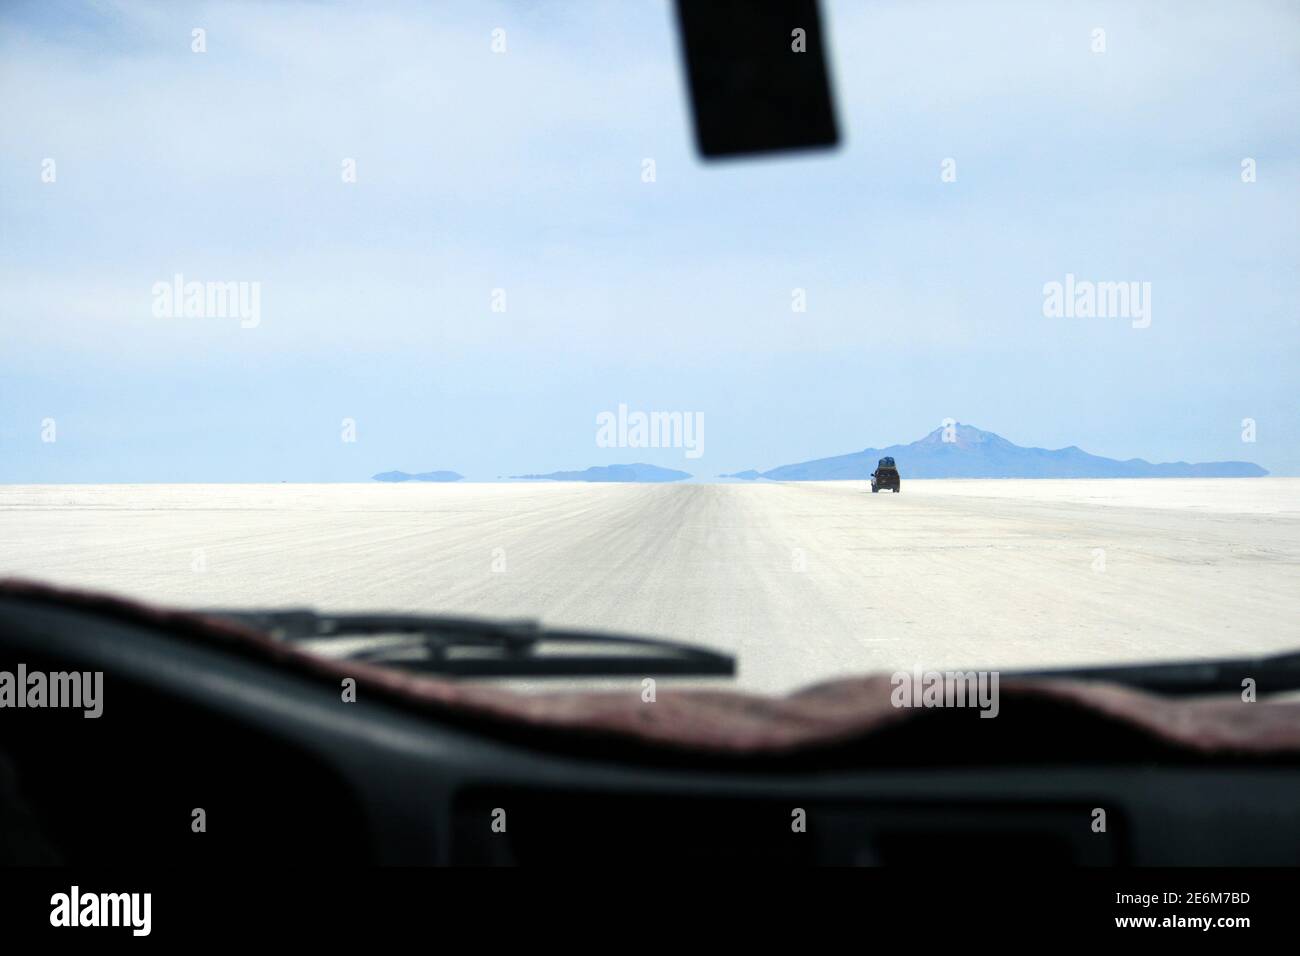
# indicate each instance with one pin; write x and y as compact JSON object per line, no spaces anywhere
{"x":1272,"y":675}
{"x":472,"y":647}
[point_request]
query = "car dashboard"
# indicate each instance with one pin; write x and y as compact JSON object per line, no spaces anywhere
{"x":286,"y":772}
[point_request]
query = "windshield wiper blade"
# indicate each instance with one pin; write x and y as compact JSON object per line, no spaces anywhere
{"x":473,"y":647}
{"x":1272,"y":675}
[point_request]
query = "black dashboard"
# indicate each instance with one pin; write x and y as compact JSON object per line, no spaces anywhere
{"x":285,"y":773}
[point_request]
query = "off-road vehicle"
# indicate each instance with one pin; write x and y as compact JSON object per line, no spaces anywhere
{"x":885,"y":476}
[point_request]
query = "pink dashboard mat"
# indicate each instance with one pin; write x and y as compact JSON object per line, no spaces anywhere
{"x":731,"y":722}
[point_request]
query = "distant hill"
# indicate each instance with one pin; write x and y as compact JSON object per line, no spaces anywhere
{"x":422,"y":476}
{"x":638,"y":472}
{"x":980,"y":454}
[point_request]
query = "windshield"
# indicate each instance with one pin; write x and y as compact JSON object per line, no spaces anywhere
{"x":438,"y":310}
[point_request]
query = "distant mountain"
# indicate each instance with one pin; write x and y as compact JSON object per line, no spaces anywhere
{"x":422,"y":476}
{"x":749,"y":475}
{"x":980,"y":454}
{"x":637,"y":472}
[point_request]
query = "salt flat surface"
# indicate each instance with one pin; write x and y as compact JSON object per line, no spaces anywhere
{"x":804,"y":581}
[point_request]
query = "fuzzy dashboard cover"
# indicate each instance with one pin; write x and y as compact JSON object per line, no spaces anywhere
{"x":853,"y":719}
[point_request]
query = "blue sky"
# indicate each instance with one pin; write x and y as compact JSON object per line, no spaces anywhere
{"x":523,"y":171}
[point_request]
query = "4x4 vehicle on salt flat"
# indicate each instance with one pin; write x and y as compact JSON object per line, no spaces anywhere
{"x":885,"y":476}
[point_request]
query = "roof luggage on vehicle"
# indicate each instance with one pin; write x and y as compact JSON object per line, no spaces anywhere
{"x":886,"y":463}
